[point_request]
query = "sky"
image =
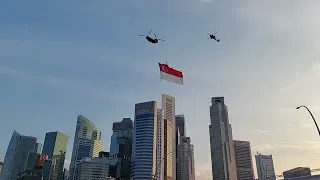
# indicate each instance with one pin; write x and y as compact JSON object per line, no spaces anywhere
{"x":60,"y":59}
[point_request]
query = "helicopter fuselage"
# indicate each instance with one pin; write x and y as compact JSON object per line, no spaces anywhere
{"x":154,"y":41}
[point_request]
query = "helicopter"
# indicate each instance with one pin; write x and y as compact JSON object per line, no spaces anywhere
{"x":212,"y":36}
{"x":152,"y":40}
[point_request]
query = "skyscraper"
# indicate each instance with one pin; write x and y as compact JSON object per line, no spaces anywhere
{"x":265,"y":167}
{"x":180,"y":124}
{"x":221,"y":142}
{"x":185,"y":168}
{"x":55,"y":146}
{"x":1,"y":164}
{"x":144,"y":149}
{"x":17,"y":155}
{"x":87,"y":143}
{"x":121,"y":148}
{"x":160,"y":144}
{"x":243,"y":160}
{"x":169,"y":138}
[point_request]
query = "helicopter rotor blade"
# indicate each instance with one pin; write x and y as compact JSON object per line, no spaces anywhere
{"x":155,"y":35}
{"x":215,"y":33}
{"x":149,"y":32}
{"x":141,"y":35}
{"x":161,"y":39}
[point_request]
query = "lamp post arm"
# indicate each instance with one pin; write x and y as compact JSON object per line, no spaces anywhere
{"x":314,"y":120}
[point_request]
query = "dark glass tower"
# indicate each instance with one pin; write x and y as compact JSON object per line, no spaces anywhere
{"x":55,"y":146}
{"x":121,"y":149}
{"x":17,"y":155}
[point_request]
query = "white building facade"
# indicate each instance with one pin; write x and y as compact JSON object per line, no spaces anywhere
{"x":169,"y":138}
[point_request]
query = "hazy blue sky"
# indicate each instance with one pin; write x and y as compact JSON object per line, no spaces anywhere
{"x":63,"y":58}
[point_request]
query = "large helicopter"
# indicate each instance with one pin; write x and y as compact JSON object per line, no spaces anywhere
{"x":212,"y":36}
{"x":152,"y":40}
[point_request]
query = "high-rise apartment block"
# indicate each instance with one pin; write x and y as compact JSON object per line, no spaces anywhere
{"x":265,"y":167}
{"x":87,"y":143}
{"x":144,"y":149}
{"x":221,"y":142}
{"x":121,"y":149}
{"x":17,"y":155}
{"x":185,"y":159}
{"x":243,"y":160}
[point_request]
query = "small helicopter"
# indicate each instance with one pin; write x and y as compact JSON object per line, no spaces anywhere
{"x":152,"y":40}
{"x":212,"y":36}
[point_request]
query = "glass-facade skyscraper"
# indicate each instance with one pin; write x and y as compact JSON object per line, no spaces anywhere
{"x":17,"y":155}
{"x":87,"y":143}
{"x":221,"y":142}
{"x":55,"y":146}
{"x":121,"y":149}
{"x":144,"y":149}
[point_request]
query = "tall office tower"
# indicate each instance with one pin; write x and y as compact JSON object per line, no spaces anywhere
{"x":169,"y":138}
{"x":1,"y":164}
{"x":185,"y":168}
{"x":160,"y":142}
{"x":144,"y":149}
{"x":180,"y":132}
{"x":265,"y":167}
{"x":180,"y":124}
{"x":38,"y":148}
{"x":121,"y":148}
{"x":221,"y":142}
{"x":87,"y":143}
{"x":17,"y":155}
{"x":32,"y":161}
{"x":55,"y":146}
{"x":242,"y":151}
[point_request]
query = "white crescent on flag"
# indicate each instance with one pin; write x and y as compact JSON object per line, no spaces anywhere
{"x":170,"y":74}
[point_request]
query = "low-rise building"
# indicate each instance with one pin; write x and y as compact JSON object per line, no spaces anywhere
{"x":93,"y":168}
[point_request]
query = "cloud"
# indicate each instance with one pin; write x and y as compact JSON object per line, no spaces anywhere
{"x":260,"y":131}
{"x":207,"y":1}
{"x":203,"y":171}
{"x":307,"y":125}
{"x":64,"y":84}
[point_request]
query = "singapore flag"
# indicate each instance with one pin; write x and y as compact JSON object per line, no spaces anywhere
{"x":170,"y":74}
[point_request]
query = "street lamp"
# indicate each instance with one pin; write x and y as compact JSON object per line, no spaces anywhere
{"x":315,"y":122}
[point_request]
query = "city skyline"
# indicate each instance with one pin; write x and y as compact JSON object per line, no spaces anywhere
{"x":66,"y":59}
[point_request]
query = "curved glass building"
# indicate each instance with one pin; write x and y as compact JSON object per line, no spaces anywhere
{"x":144,"y":141}
{"x":87,"y":143}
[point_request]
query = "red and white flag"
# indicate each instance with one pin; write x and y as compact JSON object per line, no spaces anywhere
{"x":170,"y":74}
